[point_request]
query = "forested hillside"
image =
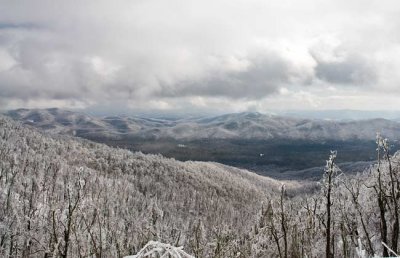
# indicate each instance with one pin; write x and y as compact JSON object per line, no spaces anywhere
{"x":64,"y":197}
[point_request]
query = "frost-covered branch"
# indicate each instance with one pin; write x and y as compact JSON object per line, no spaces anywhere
{"x":154,"y":249}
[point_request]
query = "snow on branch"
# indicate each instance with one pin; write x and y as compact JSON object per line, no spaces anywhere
{"x":154,"y":249}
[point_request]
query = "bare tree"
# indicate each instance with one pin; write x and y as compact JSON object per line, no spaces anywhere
{"x":331,"y":171}
{"x":381,"y":198}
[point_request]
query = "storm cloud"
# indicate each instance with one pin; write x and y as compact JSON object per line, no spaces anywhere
{"x":154,"y":54}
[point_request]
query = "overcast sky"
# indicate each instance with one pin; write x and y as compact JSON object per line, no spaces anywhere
{"x":203,"y":55}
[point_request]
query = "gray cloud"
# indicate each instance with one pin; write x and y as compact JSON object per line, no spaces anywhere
{"x":352,"y":70}
{"x":168,"y":52}
{"x":264,"y":74}
{"x":26,"y":26}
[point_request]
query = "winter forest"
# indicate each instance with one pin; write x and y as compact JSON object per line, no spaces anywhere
{"x":199,"y":129}
{"x":67,"y":197}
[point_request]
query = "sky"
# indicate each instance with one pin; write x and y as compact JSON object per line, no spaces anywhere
{"x":200,"y":56}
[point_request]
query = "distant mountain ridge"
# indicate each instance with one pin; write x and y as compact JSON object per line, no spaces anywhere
{"x":247,"y":125}
{"x":343,"y":114}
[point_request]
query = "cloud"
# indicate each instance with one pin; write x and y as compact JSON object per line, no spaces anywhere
{"x":351,"y":70}
{"x":254,"y":77}
{"x":168,"y":53}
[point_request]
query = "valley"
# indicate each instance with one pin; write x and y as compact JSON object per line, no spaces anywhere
{"x":281,"y":159}
{"x":274,"y":146}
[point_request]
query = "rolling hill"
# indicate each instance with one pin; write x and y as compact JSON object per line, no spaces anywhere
{"x":274,"y":146}
{"x":126,"y":198}
{"x":248,"y":125}
{"x":63,"y":196}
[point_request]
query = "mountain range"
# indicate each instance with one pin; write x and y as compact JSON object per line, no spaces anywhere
{"x":112,"y":201}
{"x":247,"y":125}
{"x":281,"y":147}
{"x":69,"y":197}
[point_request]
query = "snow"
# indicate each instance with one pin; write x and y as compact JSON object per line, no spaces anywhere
{"x":157,"y":249}
{"x":229,"y":126}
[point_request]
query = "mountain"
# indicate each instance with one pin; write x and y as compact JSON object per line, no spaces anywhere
{"x":63,"y":196}
{"x":126,"y":198}
{"x":248,"y":125}
{"x":343,"y":114}
{"x":61,"y":121}
{"x":270,"y":145}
